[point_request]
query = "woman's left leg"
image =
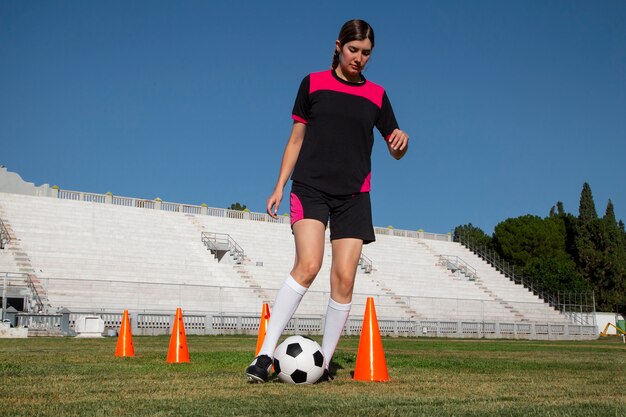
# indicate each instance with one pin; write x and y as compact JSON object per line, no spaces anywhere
{"x":345,"y":254}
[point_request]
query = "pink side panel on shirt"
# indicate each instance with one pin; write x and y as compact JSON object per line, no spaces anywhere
{"x":297,"y":118}
{"x":326,"y":81}
{"x":367,"y":186}
{"x":297,"y":212}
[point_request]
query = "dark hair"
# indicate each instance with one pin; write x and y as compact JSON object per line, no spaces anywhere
{"x":353,"y":30}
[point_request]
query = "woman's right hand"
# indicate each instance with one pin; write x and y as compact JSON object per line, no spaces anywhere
{"x":273,"y":203}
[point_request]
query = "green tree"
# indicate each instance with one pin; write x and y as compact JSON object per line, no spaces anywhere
{"x":600,"y":252}
{"x":613,"y":259}
{"x":609,"y":214}
{"x":237,"y":206}
{"x":587,"y":236}
{"x":556,"y":275}
{"x":587,"y":209}
{"x":537,"y":248}
{"x":570,"y":225}
{"x":521,"y":239}
{"x":557,"y":210}
{"x":474,"y":234}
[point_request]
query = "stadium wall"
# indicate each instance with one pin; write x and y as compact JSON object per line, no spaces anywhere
{"x":153,"y":324}
{"x":604,"y":318}
{"x":11,"y":182}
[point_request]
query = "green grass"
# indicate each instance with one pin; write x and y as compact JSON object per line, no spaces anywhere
{"x":430,"y":377}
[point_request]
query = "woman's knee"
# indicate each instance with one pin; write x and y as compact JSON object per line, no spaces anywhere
{"x":343,"y":282}
{"x":306,"y":270}
{"x":341,"y":292}
{"x":345,"y":287}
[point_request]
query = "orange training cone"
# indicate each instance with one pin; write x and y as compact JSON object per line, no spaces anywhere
{"x":265,"y":319}
{"x":178,"y":352}
{"x":125,"y":345}
{"x":370,"y":359}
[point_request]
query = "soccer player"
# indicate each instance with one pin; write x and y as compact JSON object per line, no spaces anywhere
{"x":328,"y":157}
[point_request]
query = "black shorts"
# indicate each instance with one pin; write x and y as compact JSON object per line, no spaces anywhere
{"x":350,"y":215}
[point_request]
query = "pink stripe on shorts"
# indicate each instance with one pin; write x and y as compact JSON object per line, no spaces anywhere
{"x":297,"y":212}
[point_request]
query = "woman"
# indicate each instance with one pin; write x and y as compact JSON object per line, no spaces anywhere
{"x":328,"y":157}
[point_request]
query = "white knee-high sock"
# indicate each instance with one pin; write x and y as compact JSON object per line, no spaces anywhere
{"x":336,"y":317}
{"x":286,"y":302}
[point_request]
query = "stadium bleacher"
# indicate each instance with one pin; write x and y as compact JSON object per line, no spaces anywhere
{"x":86,"y":252}
{"x":96,"y":256}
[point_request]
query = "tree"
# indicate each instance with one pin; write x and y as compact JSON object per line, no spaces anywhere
{"x":537,"y":248}
{"x":601,"y":252}
{"x":557,"y":210}
{"x":521,"y":239}
{"x":570,"y":224}
{"x":609,"y":214}
{"x":613,"y":258}
{"x":237,"y":207}
{"x":556,"y":275}
{"x":474,"y":235}
{"x":587,"y":208}
{"x":587,"y":235}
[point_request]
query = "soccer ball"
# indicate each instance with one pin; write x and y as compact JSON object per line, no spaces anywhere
{"x":299,"y":360}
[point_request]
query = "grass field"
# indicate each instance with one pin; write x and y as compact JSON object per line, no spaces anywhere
{"x":431,"y":377}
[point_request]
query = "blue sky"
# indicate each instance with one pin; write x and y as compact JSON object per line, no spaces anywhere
{"x":511,"y":105}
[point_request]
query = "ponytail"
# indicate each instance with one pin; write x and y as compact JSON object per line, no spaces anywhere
{"x":335,"y":63}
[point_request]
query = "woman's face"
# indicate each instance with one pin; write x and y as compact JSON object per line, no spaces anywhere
{"x":353,"y":57}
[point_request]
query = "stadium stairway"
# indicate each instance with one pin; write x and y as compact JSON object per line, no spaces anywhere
{"x":521,"y":300}
{"x":24,"y":282}
{"x":407,"y":268}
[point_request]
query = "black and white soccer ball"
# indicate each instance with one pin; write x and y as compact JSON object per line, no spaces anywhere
{"x":299,"y":360}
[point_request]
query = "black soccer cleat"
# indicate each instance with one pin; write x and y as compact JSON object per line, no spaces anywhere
{"x":326,"y":377}
{"x":259,"y":370}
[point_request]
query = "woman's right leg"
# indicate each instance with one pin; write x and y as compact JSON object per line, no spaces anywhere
{"x":309,"y":239}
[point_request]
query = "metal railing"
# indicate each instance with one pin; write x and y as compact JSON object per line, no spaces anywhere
{"x":16,"y":282}
{"x":217,"y":299}
{"x":559,"y":301}
{"x":157,"y":300}
{"x":366,"y":264}
{"x":220,"y":212}
{"x":197,"y":323}
{"x":35,"y":297}
{"x":223,"y":242}
{"x":4,"y":235}
{"x":458,"y":265}
{"x":578,"y":307}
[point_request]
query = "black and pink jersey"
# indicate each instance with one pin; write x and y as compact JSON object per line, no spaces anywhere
{"x":340,"y":116}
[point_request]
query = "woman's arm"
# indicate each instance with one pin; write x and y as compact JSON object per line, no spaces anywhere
{"x":398,"y":143}
{"x":290,"y":156}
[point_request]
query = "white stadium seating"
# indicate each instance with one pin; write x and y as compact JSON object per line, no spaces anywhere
{"x":99,"y":256}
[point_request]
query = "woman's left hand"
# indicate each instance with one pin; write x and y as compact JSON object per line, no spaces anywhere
{"x":398,"y":143}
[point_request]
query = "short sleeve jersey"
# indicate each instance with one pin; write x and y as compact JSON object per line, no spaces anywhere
{"x":340,"y":117}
